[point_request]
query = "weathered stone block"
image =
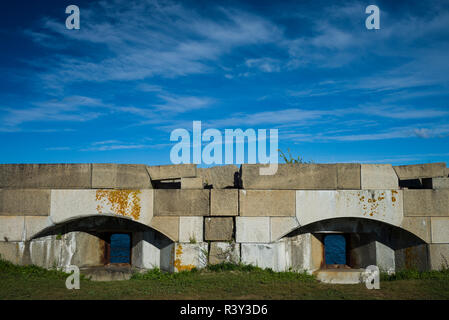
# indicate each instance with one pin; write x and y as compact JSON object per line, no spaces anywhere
{"x":181,"y":202}
{"x":378,"y":176}
{"x":54,"y":176}
{"x":224,"y":202}
{"x":190,"y":255}
{"x":168,"y":226}
{"x":12,"y":228}
{"x":176,"y":171}
{"x":12,"y":252}
{"x":131,"y":204}
{"x":348,"y":176}
{"x":280,"y":226}
{"x":271,"y":255}
{"x":440,"y":230}
{"x":426,"y":203}
{"x":120,"y":176}
{"x":381,"y":205}
{"x":291,"y":176}
{"x":439,"y":256}
{"x":192,"y":183}
{"x":267,"y":203}
{"x":221,"y":252}
{"x":220,"y":177}
{"x":191,"y":229}
{"x":419,"y":226}
{"x":252,"y":229}
{"x":218,"y":229}
{"x":426,"y":170}
{"x":18,"y":202}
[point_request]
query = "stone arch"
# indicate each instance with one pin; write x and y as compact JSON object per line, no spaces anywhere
{"x":371,"y":242}
{"x":83,"y":241}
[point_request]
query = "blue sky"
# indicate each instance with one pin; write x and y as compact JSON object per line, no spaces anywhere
{"x":136,"y":70}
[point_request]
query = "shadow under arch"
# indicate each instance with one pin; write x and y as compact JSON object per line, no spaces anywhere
{"x":369,"y":242}
{"x":88,"y":237}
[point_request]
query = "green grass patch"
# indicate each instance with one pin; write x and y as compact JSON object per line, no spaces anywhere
{"x":416,"y":275}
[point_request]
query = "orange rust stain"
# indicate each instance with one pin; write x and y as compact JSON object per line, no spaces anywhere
{"x":122,"y":202}
{"x":178,"y":265}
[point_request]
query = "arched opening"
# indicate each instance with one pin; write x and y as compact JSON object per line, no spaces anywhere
{"x":102,"y":243}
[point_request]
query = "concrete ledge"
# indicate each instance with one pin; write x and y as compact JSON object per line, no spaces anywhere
{"x":177,"y":202}
{"x":291,"y":176}
{"x":439,"y":256}
{"x":120,"y":176}
{"x":21,"y":202}
{"x":348,"y":176}
{"x":426,"y":203}
{"x":340,"y":276}
{"x":221,"y":252}
{"x":218,"y":229}
{"x":252,"y":229}
{"x":191,"y":229}
{"x":378,"y":176}
{"x":265,"y":203}
{"x":224,"y":202}
{"x":175,"y":171}
{"x":169,"y":226}
{"x":220,"y":177}
{"x":12,"y":228}
{"x":419,"y":226}
{"x":54,"y":176}
{"x":416,"y":171}
{"x":440,"y":230}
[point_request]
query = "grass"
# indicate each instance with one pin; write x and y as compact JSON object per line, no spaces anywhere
{"x":223,"y":281}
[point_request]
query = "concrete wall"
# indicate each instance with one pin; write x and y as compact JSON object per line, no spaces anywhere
{"x":221,"y":214}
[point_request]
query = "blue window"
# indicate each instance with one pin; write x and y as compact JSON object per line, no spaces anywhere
{"x":335,"y":249}
{"x":120,"y":248}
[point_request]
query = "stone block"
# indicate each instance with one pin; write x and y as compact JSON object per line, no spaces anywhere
{"x":224,"y":202}
{"x":265,"y":256}
{"x":131,"y":204}
{"x":378,"y":176}
{"x":54,"y":176}
{"x":439,"y":256}
{"x":35,"y":225}
{"x":190,"y":255}
{"x":426,"y":203}
{"x":440,"y":229}
{"x":290,"y":176}
{"x":12,"y":251}
{"x":435,"y":183}
{"x":191,"y":229}
{"x":169,"y":226}
{"x":252,"y":229}
{"x":21,"y":202}
{"x":218,"y":229}
{"x":120,"y":176}
{"x":419,"y":226}
{"x":175,"y":171}
{"x":280,"y":226}
{"x":382,"y":205}
{"x":12,"y":228}
{"x":181,"y":202}
{"x":221,"y":252}
{"x":265,"y":203}
{"x":192,"y":183}
{"x":348,"y":176}
{"x":220,"y":177}
{"x":416,"y":171}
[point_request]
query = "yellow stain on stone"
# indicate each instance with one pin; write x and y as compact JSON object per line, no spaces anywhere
{"x":178,"y":265}
{"x":122,"y":202}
